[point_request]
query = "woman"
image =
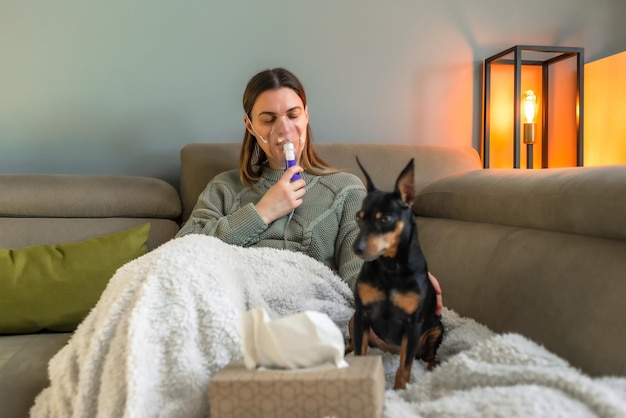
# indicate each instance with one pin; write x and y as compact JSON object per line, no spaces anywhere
{"x":259,"y":205}
{"x":253,"y":206}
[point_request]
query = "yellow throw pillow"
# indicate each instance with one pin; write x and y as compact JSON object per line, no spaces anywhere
{"x":53,"y":287}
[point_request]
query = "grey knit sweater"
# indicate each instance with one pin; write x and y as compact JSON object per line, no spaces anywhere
{"x":323,"y":226}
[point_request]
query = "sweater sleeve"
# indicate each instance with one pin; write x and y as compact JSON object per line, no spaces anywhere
{"x":217,"y":213}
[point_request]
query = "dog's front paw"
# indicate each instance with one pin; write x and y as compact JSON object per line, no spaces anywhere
{"x":403,"y":375}
{"x":399,"y":385}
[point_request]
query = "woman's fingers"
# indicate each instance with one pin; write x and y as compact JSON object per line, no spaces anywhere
{"x":437,"y":287}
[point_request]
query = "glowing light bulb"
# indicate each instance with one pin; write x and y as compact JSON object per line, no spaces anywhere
{"x":529,"y":106}
{"x":529,"y":101}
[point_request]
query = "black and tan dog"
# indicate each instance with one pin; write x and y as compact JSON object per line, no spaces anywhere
{"x":395,"y":301}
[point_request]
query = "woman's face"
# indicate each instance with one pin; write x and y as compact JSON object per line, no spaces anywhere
{"x":278,"y":116}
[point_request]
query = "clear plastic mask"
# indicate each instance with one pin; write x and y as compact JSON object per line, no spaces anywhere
{"x":281,"y":130}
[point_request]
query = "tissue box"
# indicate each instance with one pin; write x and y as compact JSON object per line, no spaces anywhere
{"x":354,"y":391}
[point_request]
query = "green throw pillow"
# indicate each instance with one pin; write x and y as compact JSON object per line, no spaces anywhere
{"x":53,"y":287}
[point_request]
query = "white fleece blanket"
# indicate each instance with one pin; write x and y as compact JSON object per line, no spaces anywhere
{"x":483,"y":374}
{"x":170,"y":319}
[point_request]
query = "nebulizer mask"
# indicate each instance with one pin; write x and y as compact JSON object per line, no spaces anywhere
{"x":284,"y":132}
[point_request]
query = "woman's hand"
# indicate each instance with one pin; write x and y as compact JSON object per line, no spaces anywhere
{"x":437,"y":287}
{"x":282,"y":197}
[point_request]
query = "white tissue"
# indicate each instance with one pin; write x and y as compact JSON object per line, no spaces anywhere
{"x":305,"y":340}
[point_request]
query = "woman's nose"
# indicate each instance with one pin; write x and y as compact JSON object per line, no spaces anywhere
{"x":283,"y":126}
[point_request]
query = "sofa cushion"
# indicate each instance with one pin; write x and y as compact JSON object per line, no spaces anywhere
{"x":53,"y":287}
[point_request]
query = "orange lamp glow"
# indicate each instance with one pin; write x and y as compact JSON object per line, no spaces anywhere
{"x":605,"y":107}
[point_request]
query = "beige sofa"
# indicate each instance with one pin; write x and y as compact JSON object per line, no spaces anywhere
{"x":52,"y":209}
{"x":542,"y":252}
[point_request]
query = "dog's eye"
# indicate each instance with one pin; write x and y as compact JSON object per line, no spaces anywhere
{"x":386,"y":219}
{"x":359,"y":218}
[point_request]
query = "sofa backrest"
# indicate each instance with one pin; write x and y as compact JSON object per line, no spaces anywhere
{"x":200,"y":162}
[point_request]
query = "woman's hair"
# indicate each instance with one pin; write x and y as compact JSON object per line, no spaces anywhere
{"x":252,"y":157}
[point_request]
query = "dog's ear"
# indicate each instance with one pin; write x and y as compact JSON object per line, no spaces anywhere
{"x":370,"y":186}
{"x":405,"y":184}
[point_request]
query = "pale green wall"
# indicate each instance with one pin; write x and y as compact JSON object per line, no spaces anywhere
{"x":119,"y":86}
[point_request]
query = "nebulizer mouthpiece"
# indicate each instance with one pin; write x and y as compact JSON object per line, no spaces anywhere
{"x":290,"y":158}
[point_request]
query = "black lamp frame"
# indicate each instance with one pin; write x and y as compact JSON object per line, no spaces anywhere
{"x":554,"y":54}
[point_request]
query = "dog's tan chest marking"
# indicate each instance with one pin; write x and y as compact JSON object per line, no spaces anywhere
{"x":408,"y":301}
{"x":369,"y":294}
{"x":392,"y":240}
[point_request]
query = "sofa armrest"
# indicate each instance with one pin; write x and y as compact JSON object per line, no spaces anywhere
{"x":86,"y":196}
{"x":538,"y":252}
{"x":579,"y":200}
{"x":51,"y":209}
